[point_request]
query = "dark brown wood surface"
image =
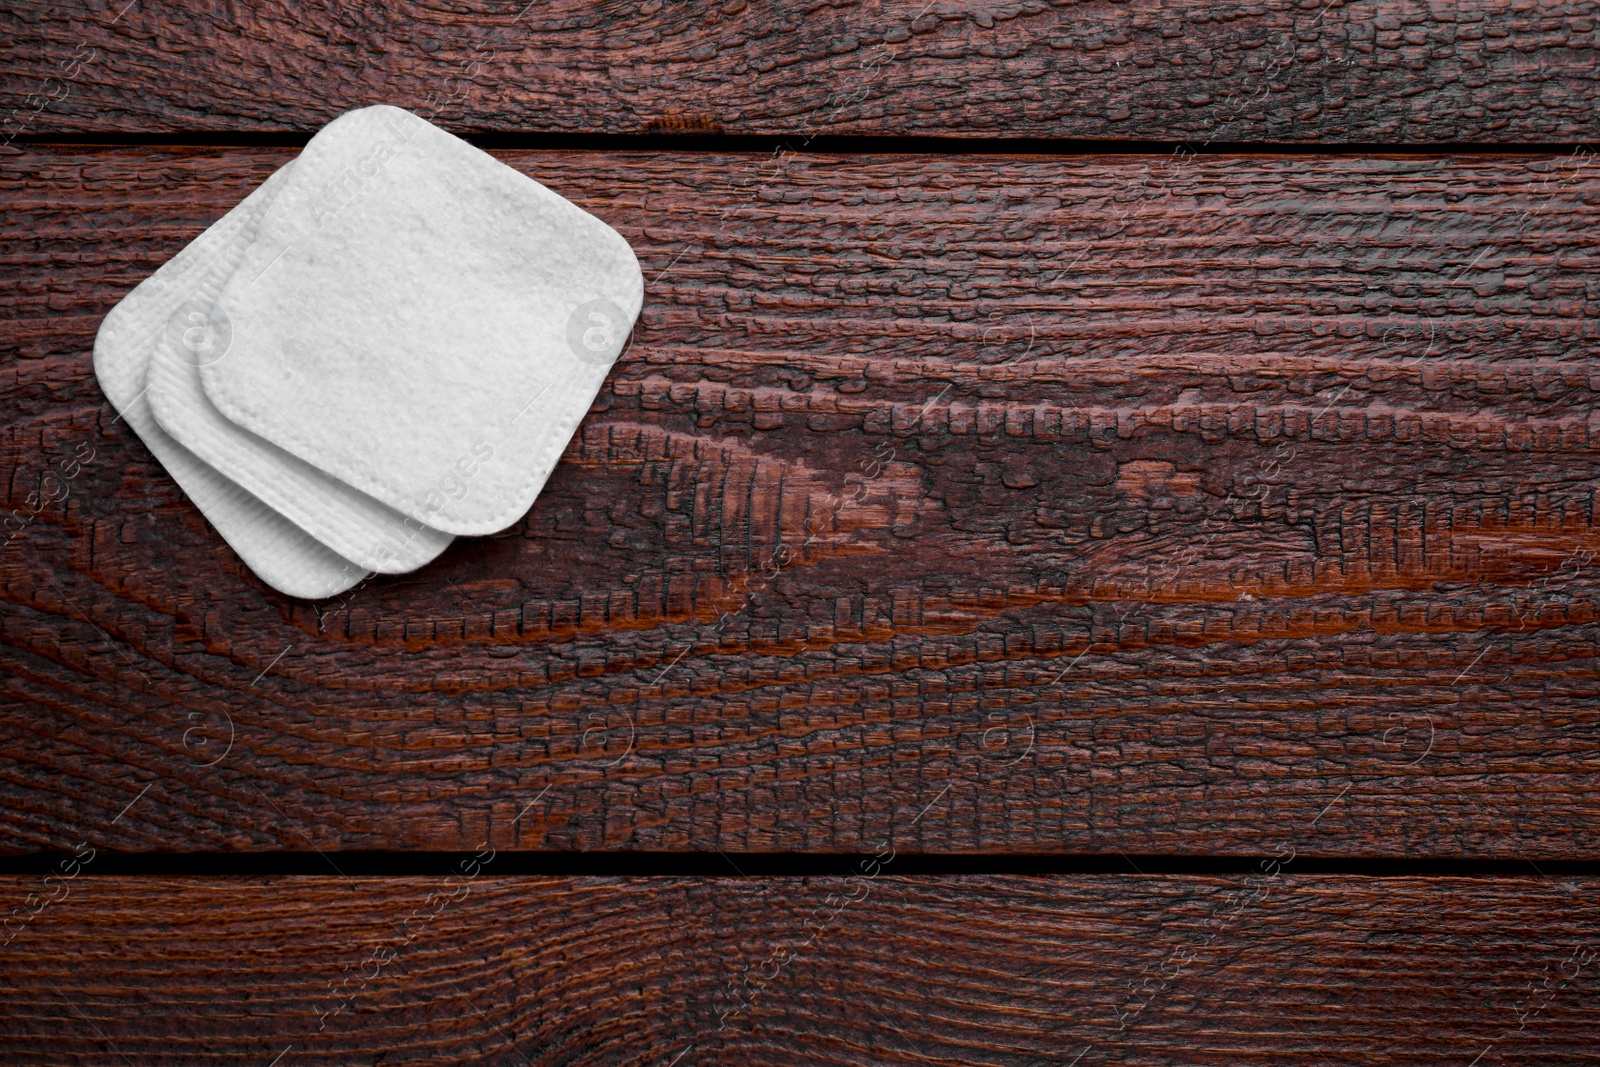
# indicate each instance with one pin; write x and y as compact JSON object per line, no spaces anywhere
{"x":1007,"y":504}
{"x":1264,"y":969}
{"x":1309,"y":71}
{"x":1211,"y":505}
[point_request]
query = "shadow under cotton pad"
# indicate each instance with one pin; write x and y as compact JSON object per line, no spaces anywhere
{"x":422,"y":322}
{"x":350,"y":522}
{"x":279,"y":552}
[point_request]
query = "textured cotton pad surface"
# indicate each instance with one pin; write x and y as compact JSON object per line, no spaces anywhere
{"x":422,"y":322}
{"x":278,"y":551}
{"x":348,"y":521}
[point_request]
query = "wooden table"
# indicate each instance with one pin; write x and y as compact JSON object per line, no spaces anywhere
{"x":1090,"y":557}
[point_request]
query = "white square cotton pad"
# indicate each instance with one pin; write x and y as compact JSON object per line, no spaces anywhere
{"x":278,"y":551}
{"x":199,"y":331}
{"x":422,"y":322}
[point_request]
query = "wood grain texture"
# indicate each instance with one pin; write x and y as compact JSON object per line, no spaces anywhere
{"x":1408,"y":72}
{"x":864,"y":970}
{"x":969,"y":503}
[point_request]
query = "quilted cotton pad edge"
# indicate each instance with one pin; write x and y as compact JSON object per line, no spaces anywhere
{"x":278,"y":552}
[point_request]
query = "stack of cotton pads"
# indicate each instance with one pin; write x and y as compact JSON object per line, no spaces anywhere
{"x":387,"y":344}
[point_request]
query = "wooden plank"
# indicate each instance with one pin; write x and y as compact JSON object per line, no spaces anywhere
{"x":1174,"y":70}
{"x":993,"y":504}
{"x":1090,"y":970}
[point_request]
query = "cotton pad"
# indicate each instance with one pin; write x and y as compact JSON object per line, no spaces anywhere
{"x":198,"y":330}
{"x":421,"y":322}
{"x":278,"y":551}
